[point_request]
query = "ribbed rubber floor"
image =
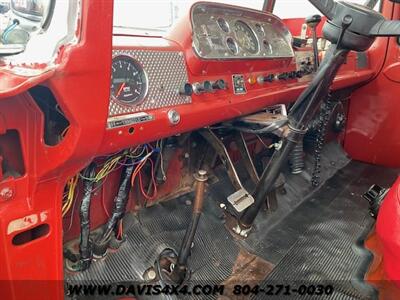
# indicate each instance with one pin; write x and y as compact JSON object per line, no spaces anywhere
{"x":312,"y":237}
{"x":163,"y":226}
{"x":330,"y":250}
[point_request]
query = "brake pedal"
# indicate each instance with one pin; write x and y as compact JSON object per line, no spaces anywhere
{"x":241,"y":200}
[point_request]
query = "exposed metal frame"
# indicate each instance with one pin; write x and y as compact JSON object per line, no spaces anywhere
{"x":269,"y":5}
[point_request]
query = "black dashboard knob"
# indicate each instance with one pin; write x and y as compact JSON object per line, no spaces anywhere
{"x":283,"y":76}
{"x":186,"y":90}
{"x":219,"y":84}
{"x":299,"y":74}
{"x":268,"y":78}
{"x":202,"y":87}
{"x":207,"y":85}
{"x":292,"y":75}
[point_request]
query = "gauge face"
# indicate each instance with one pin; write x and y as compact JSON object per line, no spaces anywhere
{"x":128,"y":80}
{"x":246,"y":37}
{"x":232,"y":46}
{"x":223,"y":24}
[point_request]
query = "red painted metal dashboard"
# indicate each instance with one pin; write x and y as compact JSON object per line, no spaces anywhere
{"x":209,"y":108}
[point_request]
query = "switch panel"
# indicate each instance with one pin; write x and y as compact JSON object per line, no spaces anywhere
{"x":239,"y":86}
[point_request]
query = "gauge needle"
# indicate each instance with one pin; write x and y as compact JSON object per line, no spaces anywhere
{"x":120,"y":89}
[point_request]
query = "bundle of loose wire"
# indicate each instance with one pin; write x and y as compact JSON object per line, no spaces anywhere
{"x":140,"y":155}
{"x":137,"y":173}
{"x":70,"y":194}
{"x":110,"y":165}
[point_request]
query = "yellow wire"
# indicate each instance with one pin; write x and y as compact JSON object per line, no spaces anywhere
{"x":109,"y":166}
{"x":72,"y":183}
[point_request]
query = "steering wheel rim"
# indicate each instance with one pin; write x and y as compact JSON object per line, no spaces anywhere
{"x":366,"y":24}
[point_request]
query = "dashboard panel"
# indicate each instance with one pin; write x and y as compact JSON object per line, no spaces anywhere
{"x":170,"y":63}
{"x":226,"y":32}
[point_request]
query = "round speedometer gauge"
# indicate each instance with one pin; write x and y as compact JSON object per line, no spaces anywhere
{"x":246,"y":37}
{"x":128,"y":80}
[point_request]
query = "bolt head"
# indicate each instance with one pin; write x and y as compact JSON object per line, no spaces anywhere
{"x":152,"y":274}
{"x":201,"y":176}
{"x":6,"y":193}
{"x":202,"y":172}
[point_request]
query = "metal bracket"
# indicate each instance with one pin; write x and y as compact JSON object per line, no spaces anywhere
{"x":244,"y":152}
{"x":241,"y":199}
{"x":217,"y":144}
{"x":240,"y":231}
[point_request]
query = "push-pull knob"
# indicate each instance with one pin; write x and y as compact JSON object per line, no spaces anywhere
{"x":283,"y":76}
{"x":268,"y":78}
{"x":292,"y":74}
{"x":202,"y":87}
{"x":299,"y":74}
{"x":219,"y":84}
{"x":312,"y":22}
{"x":186,"y":90}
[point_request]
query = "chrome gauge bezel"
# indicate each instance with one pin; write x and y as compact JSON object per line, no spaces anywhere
{"x":205,"y":28}
{"x":145,"y":81}
{"x":227,"y":28}
{"x":255,"y":37}
{"x":229,"y":38}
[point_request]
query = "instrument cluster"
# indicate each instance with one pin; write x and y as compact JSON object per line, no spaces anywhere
{"x":150,"y":73}
{"x":142,"y":80}
{"x":236,"y":33}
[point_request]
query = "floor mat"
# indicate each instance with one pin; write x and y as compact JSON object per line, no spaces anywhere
{"x":314,"y":236}
{"x":163,"y":226}
{"x":331,"y":226}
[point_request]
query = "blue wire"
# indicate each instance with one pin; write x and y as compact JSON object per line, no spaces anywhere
{"x":7,"y":31}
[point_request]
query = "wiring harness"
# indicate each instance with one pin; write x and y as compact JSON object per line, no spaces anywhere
{"x":132,"y":162}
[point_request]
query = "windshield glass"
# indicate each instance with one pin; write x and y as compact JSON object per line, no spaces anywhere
{"x":286,"y":9}
{"x":158,"y":16}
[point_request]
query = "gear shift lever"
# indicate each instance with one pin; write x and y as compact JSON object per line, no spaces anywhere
{"x":312,"y":22}
{"x":180,"y":270}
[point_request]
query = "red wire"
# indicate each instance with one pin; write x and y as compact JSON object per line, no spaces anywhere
{"x":139,"y":166}
{"x":148,"y":197}
{"x":119,"y":236}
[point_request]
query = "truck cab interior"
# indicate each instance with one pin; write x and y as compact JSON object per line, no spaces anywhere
{"x":228,"y":149}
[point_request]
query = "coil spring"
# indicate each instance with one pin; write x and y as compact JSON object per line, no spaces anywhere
{"x":322,"y":126}
{"x":296,"y":158}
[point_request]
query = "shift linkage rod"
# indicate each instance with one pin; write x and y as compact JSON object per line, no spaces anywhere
{"x":300,"y":116}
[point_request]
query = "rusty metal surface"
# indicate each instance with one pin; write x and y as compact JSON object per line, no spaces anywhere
{"x":246,"y":158}
{"x":263,"y":118}
{"x":201,"y":178}
{"x":248,"y":269}
{"x":219,"y":146}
